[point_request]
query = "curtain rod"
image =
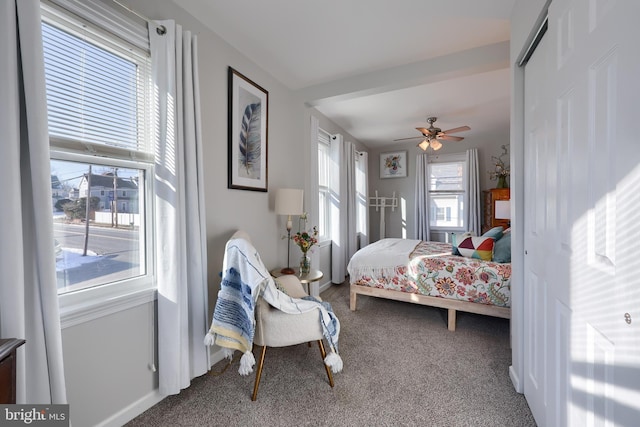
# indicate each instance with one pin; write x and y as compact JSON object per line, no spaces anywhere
{"x":355,"y":150}
{"x":161,"y":30}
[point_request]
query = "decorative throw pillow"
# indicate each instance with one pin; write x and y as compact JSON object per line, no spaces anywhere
{"x":476,"y":247}
{"x":456,"y":238}
{"x":502,"y":249}
{"x":495,"y":232}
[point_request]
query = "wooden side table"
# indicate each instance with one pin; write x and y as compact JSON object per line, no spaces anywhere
{"x":306,"y":279}
{"x":8,"y":349}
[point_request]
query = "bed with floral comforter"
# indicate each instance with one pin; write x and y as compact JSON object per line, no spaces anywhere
{"x":427,"y":273}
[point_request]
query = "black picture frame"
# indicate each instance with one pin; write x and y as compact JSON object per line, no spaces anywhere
{"x":248,"y":134}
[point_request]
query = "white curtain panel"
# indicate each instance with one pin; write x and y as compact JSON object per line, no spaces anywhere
{"x":337,"y":206}
{"x":351,"y":216}
{"x":422,"y":198}
{"x":179,"y":217}
{"x":473,"y":213}
{"x":311,"y":196}
{"x":28,"y":292}
{"x":362,"y":197}
{"x":343,"y":209}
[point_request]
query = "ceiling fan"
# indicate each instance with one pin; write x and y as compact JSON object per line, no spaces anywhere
{"x":432,"y":135}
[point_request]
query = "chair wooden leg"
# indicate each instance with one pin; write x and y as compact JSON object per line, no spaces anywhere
{"x":254,"y":396}
{"x":324,"y":354}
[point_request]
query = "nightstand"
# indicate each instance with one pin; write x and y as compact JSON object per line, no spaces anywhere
{"x":310,"y":279}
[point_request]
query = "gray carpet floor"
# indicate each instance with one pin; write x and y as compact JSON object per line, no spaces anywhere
{"x":402,"y":367}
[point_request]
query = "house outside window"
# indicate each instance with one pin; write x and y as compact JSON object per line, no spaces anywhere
{"x":99,"y":115}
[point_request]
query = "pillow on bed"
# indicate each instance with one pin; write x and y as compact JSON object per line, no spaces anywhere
{"x":475,"y":247}
{"x":502,"y":249}
{"x":456,"y":239}
{"x":495,"y":232}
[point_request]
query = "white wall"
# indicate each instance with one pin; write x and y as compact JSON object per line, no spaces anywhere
{"x":401,"y":222}
{"x":106,"y":360}
{"x":107,"y":366}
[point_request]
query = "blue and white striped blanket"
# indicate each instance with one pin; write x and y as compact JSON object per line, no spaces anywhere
{"x":245,"y":279}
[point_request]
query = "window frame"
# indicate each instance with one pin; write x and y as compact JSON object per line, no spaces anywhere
{"x":324,"y":143}
{"x":97,"y":301}
{"x":80,"y":306}
{"x":111,"y":42}
{"x":362,"y":197}
{"x":449,"y":159}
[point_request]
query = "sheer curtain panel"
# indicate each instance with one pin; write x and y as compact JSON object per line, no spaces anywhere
{"x":311,"y":196}
{"x":422,"y":198}
{"x":473,"y":220}
{"x":28,"y":294}
{"x":343,"y":207}
{"x":180,"y":218}
{"x":362,"y":198}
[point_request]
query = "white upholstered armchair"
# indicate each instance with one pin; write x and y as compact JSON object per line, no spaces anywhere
{"x":275,"y":328}
{"x":250,"y":309}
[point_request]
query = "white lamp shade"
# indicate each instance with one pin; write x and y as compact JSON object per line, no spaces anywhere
{"x":435,"y":144}
{"x":503,"y":209}
{"x":289,"y":201}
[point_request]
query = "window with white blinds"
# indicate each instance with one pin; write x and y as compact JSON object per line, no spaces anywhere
{"x":324,"y":175}
{"x":100,"y":111}
{"x":97,"y":89}
{"x":447,"y":192}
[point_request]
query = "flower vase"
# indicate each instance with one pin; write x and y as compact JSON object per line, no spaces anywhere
{"x":305,"y":264}
{"x":502,"y":182}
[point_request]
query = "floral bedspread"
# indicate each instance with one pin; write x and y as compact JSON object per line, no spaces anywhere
{"x":432,"y":270}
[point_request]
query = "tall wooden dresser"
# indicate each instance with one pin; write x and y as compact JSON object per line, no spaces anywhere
{"x":489,"y":206}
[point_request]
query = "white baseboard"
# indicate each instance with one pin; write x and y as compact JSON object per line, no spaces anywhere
{"x":216,"y":356}
{"x":515,"y":380}
{"x":136,"y":408}
{"x":325,"y":286}
{"x":130,"y":412}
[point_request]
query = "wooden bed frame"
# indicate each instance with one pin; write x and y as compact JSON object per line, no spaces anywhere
{"x":450,"y":304}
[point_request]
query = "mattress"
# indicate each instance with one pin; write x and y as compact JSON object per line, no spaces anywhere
{"x":429,"y":268}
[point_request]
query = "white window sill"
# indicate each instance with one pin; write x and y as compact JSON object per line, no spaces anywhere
{"x":324,"y":243}
{"x":79,"y":308}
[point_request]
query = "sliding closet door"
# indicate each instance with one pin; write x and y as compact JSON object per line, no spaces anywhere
{"x":538,"y":146}
{"x":582,"y":216}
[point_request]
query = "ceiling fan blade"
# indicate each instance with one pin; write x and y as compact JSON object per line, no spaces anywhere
{"x":450,"y":137}
{"x":425,"y":131}
{"x":458,"y":129}
{"x":413,"y":137}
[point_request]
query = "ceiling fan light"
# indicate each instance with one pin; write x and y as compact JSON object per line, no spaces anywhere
{"x":424,"y":145}
{"x":436,"y":145}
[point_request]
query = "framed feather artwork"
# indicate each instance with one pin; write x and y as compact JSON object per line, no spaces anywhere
{"x":248,"y":132}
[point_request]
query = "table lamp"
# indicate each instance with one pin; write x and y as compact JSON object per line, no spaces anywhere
{"x":289,"y":201}
{"x":503,"y":210}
